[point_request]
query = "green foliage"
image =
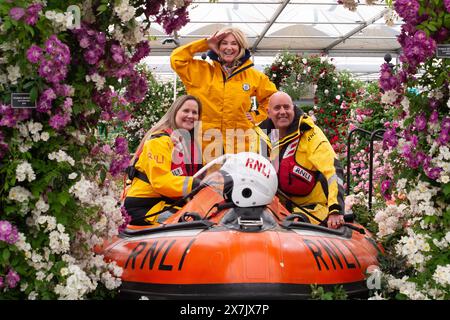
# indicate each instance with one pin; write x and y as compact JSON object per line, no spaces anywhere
{"x":333,"y":91}
{"x":319,"y":293}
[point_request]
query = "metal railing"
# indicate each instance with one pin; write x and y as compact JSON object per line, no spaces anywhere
{"x":373,"y":135}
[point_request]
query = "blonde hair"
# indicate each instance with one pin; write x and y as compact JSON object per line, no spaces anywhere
{"x":168,"y":120}
{"x":240,"y":38}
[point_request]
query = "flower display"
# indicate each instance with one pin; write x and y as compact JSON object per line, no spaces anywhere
{"x":413,"y":221}
{"x":59,"y":194}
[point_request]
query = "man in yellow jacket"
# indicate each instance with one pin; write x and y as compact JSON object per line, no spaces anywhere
{"x":308,"y":169}
{"x":226,"y":85}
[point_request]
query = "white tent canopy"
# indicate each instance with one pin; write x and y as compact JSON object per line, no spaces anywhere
{"x":299,"y":26}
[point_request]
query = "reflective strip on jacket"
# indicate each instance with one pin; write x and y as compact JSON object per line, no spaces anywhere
{"x":225,"y":99}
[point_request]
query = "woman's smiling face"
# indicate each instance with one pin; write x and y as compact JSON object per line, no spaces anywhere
{"x":229,"y":49}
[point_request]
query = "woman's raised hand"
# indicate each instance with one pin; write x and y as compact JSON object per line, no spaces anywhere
{"x":214,"y":40}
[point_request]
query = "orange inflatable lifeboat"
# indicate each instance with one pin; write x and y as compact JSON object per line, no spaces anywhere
{"x":215,"y":249}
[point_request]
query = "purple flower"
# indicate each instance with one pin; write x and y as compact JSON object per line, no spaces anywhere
{"x":45,"y":100}
{"x":12,"y":278}
{"x":433,"y":173}
{"x":121,"y":145}
{"x":92,"y":42}
{"x":34,"y":53}
{"x":173,"y":20}
{"x":118,"y":165}
{"x":59,"y":121}
{"x":152,"y":7}
{"x":414,"y":140}
{"x":5,"y":229}
{"x":390,"y":139}
{"x":1,"y":282}
{"x":445,"y":125}
{"x":8,"y":232}
{"x":388,"y":81}
{"x":123,"y":115}
{"x":33,"y":13}
{"x":447,"y":5}
{"x":3,"y":146}
{"x":91,"y":56}
{"x":142,"y":50}
{"x":421,"y":122}
{"x":16,"y":13}
{"x":407,"y":9}
{"x":117,"y":53}
{"x":421,"y":157}
{"x":84,"y":42}
{"x":126,"y":219}
{"x":106,"y":149}
{"x":62,"y":90}
{"x":137,"y":88}
{"x":434,"y":118}
{"x":67,"y":104}
{"x":385,"y":185}
{"x":443,"y":137}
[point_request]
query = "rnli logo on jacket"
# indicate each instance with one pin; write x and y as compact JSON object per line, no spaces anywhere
{"x":302,"y":173}
{"x":177,"y":172}
{"x":246,"y":86}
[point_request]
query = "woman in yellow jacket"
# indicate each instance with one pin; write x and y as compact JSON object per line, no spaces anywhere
{"x":165,"y":161}
{"x":226,"y":85}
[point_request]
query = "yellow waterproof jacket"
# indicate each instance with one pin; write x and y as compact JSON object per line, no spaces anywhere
{"x":314,"y":153}
{"x":156,"y":162}
{"x":225,"y":99}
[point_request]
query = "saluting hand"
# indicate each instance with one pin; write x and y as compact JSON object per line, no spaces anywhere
{"x":213,"y":41}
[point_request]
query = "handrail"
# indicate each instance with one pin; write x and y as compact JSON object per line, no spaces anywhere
{"x":373,"y":135}
{"x":372,"y":139}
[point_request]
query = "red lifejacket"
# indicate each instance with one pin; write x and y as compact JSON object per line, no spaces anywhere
{"x":294,"y":179}
{"x":184,"y":162}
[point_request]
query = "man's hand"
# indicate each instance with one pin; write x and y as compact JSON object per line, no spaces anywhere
{"x":335,"y":221}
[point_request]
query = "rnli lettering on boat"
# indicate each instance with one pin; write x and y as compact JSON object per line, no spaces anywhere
{"x":148,"y":253}
{"x":258,"y":166}
{"x":332,"y":253}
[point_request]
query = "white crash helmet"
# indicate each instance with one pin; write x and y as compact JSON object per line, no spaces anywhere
{"x":254,"y":179}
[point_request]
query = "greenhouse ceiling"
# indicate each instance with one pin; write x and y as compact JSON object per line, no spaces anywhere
{"x":302,"y":26}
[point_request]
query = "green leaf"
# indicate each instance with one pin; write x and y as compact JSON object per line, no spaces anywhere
{"x":101,"y":8}
{"x":102,"y":175}
{"x":431,"y":27}
{"x":7,"y":25}
{"x":29,"y":29}
{"x":5,"y":255}
{"x":446,"y":189}
{"x":63,"y":197}
{"x":33,"y":94}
